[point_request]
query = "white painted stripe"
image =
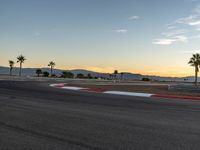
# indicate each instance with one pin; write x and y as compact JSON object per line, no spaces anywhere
{"x":73,"y":88}
{"x":60,"y":84}
{"x":107,"y":92}
{"x":129,"y":93}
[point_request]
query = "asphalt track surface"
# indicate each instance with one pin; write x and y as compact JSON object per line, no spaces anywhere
{"x":34,"y":116}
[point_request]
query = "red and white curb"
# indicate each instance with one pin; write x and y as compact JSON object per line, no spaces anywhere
{"x":58,"y":85}
{"x":63,"y":86}
{"x":129,"y":93}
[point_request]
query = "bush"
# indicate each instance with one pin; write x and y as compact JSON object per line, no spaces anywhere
{"x":45,"y":74}
{"x":89,"y":76}
{"x":53,"y":75}
{"x":67,"y":74}
{"x":146,"y":79}
{"x":80,"y":75}
{"x":38,"y":72}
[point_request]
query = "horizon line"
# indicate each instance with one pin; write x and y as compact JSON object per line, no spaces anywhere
{"x":102,"y":72}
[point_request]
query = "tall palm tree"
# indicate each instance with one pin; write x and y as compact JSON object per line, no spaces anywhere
{"x":11,"y":64}
{"x":195,"y":62}
{"x":20,"y":59}
{"x":52,"y":65}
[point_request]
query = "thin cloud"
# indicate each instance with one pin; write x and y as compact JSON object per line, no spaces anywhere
{"x":134,"y":17}
{"x":163,"y":41}
{"x":36,"y":33}
{"x":192,"y":0}
{"x":182,"y":29}
{"x":120,"y":31}
{"x":191,"y":52}
{"x":174,"y":32}
{"x":192,"y":20}
{"x":169,"y":41}
{"x":170,"y":27}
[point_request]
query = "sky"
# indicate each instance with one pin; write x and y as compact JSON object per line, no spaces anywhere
{"x":151,"y":37}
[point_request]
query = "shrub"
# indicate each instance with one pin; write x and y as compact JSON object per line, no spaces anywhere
{"x":67,"y":74}
{"x":146,"y":79}
{"x":89,"y":76}
{"x":80,"y":75}
{"x":45,"y":74}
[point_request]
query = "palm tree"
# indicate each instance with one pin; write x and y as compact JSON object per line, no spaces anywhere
{"x":11,"y":64}
{"x":122,"y":75}
{"x":115,"y":73}
{"x":52,"y":65}
{"x":110,"y":76}
{"x":195,"y":62}
{"x":20,"y":59}
{"x":38,"y":72}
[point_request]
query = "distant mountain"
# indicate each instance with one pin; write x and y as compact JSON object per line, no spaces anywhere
{"x":31,"y":71}
{"x":130,"y":76}
{"x":126,"y":75}
{"x":92,"y":73}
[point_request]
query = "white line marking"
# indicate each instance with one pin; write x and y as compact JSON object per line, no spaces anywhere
{"x":73,"y":88}
{"x":129,"y":93}
{"x":60,"y":84}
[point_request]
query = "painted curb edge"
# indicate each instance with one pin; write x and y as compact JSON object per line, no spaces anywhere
{"x":122,"y":93}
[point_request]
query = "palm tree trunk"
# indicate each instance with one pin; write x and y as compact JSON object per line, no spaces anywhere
{"x":20,"y":69}
{"x":51,"y":71}
{"x":10,"y":71}
{"x":196,"y":76}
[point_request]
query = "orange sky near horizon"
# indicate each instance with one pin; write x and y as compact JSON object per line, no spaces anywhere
{"x":159,"y":67}
{"x":169,"y":71}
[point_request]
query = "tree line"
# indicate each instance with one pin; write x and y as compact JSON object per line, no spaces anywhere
{"x":194,"y":61}
{"x":65,"y":74}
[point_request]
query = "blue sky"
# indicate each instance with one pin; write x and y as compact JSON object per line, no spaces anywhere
{"x":141,"y":36}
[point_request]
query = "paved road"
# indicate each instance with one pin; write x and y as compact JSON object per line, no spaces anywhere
{"x":34,"y":116}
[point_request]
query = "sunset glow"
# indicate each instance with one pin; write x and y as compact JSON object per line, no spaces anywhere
{"x":145,"y":37}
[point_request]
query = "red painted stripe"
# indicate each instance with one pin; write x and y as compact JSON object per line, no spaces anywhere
{"x":176,"y":97}
{"x":98,"y":90}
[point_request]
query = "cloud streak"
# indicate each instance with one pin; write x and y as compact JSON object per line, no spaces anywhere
{"x":169,"y":41}
{"x":192,"y":20}
{"x":174,"y":32}
{"x":134,"y":18}
{"x":120,"y":31}
{"x":190,"y":52}
{"x":181,"y":30}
